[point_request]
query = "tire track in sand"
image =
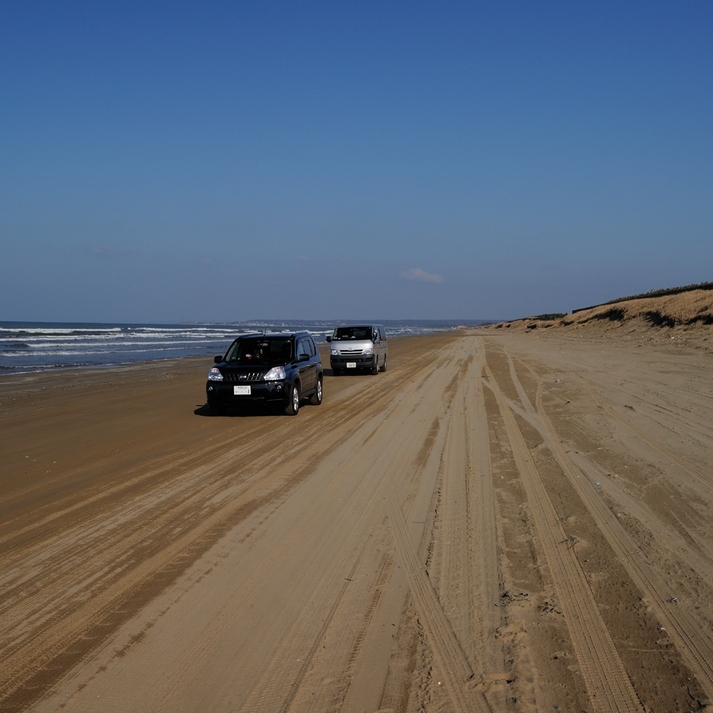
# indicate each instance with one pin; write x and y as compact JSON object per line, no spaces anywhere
{"x":464,"y":568}
{"x":456,"y":669}
{"x":41,"y":652}
{"x":700,"y":477}
{"x":686,"y":631}
{"x":603,"y":672}
{"x":368,"y":464}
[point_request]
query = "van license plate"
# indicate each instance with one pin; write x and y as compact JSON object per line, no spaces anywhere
{"x":243,"y":390}
{"x":351,"y":365}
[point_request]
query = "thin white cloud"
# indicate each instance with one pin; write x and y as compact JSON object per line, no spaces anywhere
{"x":416,"y":273}
{"x":98,"y":249}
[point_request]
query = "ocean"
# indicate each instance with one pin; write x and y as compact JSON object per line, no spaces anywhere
{"x":44,"y":346}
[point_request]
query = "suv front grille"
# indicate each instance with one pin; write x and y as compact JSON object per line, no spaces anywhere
{"x":243,"y":377}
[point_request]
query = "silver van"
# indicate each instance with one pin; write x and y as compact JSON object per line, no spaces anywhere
{"x":358,"y":347}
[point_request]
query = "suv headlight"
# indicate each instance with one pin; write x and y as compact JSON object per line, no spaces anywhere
{"x":215,"y":375}
{"x":277,"y":373}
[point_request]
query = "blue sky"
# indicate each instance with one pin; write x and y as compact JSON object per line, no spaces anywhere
{"x":170,"y":161}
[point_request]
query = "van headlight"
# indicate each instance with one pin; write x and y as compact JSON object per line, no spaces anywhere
{"x":335,"y":352}
{"x":368,"y":350}
{"x":215,"y":375}
{"x":277,"y":373}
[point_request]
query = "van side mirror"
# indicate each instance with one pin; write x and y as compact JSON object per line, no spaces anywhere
{"x":329,"y":339}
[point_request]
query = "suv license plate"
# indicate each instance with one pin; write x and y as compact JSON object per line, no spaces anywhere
{"x":351,"y":365}
{"x":241,"y":390}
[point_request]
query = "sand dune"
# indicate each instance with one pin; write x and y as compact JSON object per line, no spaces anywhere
{"x":683,"y":312}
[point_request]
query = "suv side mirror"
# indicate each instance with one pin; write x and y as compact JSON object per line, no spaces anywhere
{"x":217,"y":359}
{"x":304,"y":357}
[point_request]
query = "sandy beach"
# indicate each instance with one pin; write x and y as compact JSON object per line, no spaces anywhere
{"x":508,"y":519}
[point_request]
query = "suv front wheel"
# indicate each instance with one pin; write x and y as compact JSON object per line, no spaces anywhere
{"x":293,"y":405}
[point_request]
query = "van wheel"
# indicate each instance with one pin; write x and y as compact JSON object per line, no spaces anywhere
{"x":375,"y":368}
{"x":383,"y":366}
{"x":293,"y":405}
{"x":316,"y":398}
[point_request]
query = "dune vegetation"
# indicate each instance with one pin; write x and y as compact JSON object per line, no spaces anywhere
{"x":681,"y":307}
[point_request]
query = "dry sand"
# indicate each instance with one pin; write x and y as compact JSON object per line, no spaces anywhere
{"x":505,"y":520}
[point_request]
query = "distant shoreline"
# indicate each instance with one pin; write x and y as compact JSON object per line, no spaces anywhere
{"x":49,"y":346}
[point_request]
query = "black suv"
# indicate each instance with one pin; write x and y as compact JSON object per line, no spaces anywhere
{"x":280,"y":368}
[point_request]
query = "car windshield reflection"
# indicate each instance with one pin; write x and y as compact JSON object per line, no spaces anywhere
{"x":352,"y":333}
{"x":260,"y":352}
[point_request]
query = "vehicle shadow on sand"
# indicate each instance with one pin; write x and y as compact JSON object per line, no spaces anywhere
{"x":254,"y":411}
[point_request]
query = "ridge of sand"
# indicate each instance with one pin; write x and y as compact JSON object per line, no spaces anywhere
{"x":686,"y":317}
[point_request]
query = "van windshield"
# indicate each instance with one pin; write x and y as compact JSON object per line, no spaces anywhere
{"x":352,"y":333}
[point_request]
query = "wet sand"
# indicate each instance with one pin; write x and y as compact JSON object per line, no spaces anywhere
{"x":503,"y":521}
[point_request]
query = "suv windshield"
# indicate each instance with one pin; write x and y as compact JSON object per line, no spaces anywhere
{"x":260,"y":351}
{"x":352,"y":333}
